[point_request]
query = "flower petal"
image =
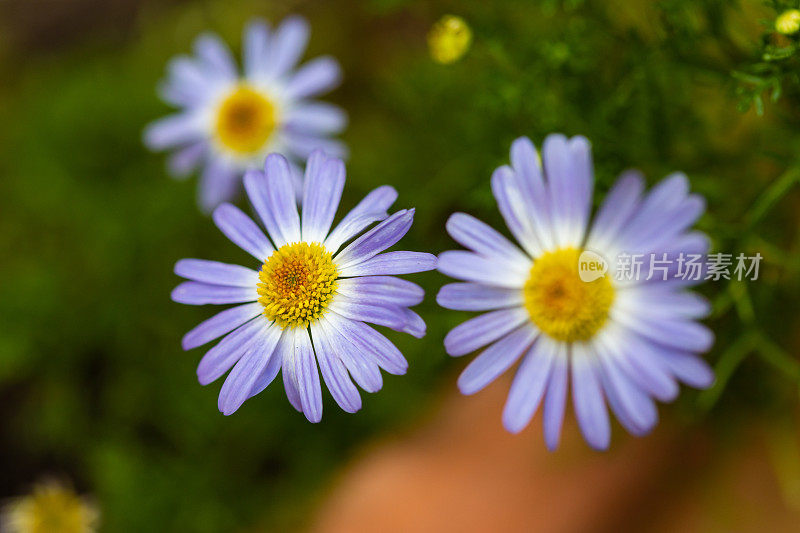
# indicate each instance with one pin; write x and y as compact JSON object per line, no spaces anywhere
{"x":482,"y":330}
{"x":281,"y":200}
{"x":477,"y":297}
{"x":378,"y":239}
{"x":334,"y":372}
{"x":495,"y":360}
{"x":222,"y":357}
{"x":392,"y":263}
{"x":323,"y":185}
{"x":386,"y":289}
{"x":216,"y":273}
{"x":305,"y":368}
{"x":370,"y":343}
{"x":242,"y":231}
{"x":371,"y":209}
{"x":378,"y":313}
{"x":288,"y":45}
{"x":195,"y":293}
{"x":482,"y":239}
{"x":556,"y":398}
{"x":528,"y":387}
{"x":220,"y":324}
{"x":587,"y":396}
{"x":248,"y":370}
{"x":318,"y":76}
{"x":469,"y":266}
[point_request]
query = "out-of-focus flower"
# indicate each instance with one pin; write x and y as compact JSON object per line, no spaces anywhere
{"x":788,"y":22}
{"x":449,"y":39}
{"x":52,"y":507}
{"x":625,"y":340}
{"x":308,"y":304}
{"x":230,"y":121}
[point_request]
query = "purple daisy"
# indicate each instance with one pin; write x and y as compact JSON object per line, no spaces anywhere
{"x":229,"y":121}
{"x":624,"y":342}
{"x":309,"y":303}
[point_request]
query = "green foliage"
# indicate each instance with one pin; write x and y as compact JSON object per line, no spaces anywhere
{"x":92,"y":379}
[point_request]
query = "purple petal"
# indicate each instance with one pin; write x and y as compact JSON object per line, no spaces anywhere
{"x":220,"y":324}
{"x":215,"y":56}
{"x":216,"y":273}
{"x":386,"y":289}
{"x":482,"y":330}
{"x":195,"y":293}
{"x":587,"y":396}
{"x":689,"y":368}
{"x":482,"y":239}
{"x":255,"y":49}
{"x":316,"y":118}
{"x":371,"y":209}
{"x":242,"y":231}
{"x":247,"y":371}
{"x":634,"y":409}
{"x":173,"y":130}
{"x":392,"y":263}
{"x":495,"y":360}
{"x":255,"y":183}
{"x":218,"y":183}
{"x":528,"y":387}
{"x":377,"y":313}
{"x":281,"y":199}
{"x":556,"y":399}
{"x":318,"y":76}
{"x":334,"y":372}
{"x":378,"y":239}
{"x":305,"y":366}
{"x":532,"y":190}
{"x":186,"y":160}
{"x":469,"y":266}
{"x":619,"y":205}
{"x":267,"y":375}
{"x":679,"y":334}
{"x":510,"y":202}
{"x":222,"y":357}
{"x":370,"y":343}
{"x":476,"y":297}
{"x":288,"y":45}
{"x":324,"y":182}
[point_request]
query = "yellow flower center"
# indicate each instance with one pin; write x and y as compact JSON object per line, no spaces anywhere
{"x":245,"y":120}
{"x":449,"y":39}
{"x":51,"y":507}
{"x":296,"y":284}
{"x":560,"y":303}
{"x":788,"y":22}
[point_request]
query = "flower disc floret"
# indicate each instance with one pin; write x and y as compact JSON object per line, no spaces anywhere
{"x":296,"y":284}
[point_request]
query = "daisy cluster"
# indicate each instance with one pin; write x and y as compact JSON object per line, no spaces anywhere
{"x":308,"y":306}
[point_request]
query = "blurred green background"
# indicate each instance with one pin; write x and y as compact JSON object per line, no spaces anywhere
{"x":93,"y":383}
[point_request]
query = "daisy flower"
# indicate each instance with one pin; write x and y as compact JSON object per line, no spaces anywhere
{"x":621,"y":342}
{"x":53,"y":507}
{"x":229,"y":121}
{"x":309,"y":303}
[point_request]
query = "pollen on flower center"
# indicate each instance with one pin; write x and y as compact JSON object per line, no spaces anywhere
{"x":246,"y":119}
{"x":562,"y":305}
{"x":297,"y":283}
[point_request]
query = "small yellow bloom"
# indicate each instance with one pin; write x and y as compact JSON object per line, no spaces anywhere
{"x":449,"y":39}
{"x":52,"y":507}
{"x":788,"y":22}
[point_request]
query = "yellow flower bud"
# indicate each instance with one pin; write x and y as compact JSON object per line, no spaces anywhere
{"x":449,"y":39}
{"x":788,"y":22}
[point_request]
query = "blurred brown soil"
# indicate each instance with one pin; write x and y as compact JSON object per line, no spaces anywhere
{"x":461,"y":471}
